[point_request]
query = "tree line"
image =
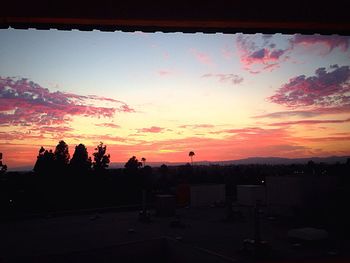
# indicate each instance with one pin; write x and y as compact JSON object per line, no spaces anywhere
{"x":59,"y":161}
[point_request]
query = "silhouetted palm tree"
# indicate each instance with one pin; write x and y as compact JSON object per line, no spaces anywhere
{"x":143,"y":160}
{"x":191,"y":154}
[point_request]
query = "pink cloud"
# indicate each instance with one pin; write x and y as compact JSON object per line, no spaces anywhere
{"x":15,"y":135}
{"x":96,"y":139}
{"x":197,"y":126}
{"x":153,"y":129}
{"x":164,"y":72}
{"x":286,"y":114}
{"x":230,"y":78}
{"x":23,"y":102}
{"x":202,"y":57}
{"x":105,"y":137}
{"x":313,"y":112}
{"x":258,"y":53}
{"x":331,"y":42}
{"x":327,"y":89}
{"x":270,"y":59}
{"x":126,"y":108}
{"x":264,"y":56}
{"x":307,"y":122}
{"x":110,"y":125}
{"x":324,"y":139}
{"x":247,"y":130}
{"x":52,"y":129}
{"x":52,"y":132}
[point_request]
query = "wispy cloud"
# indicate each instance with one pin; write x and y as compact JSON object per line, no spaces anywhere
{"x":153,"y":129}
{"x":109,"y":125}
{"x":202,"y":57}
{"x":308,"y":122}
{"x":243,"y":131}
{"x":197,"y":126}
{"x":16,"y":135}
{"x":230,"y":78}
{"x":165,"y":72}
{"x":286,"y":114}
{"x":57,"y":129}
{"x":324,"y":139}
{"x":307,"y":113}
{"x":23,"y":102}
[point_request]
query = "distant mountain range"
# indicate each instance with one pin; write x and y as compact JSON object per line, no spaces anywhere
{"x":250,"y":160}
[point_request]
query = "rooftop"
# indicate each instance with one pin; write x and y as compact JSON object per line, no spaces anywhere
{"x":57,"y":238}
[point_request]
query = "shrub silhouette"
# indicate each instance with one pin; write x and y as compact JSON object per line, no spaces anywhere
{"x":132,"y":165}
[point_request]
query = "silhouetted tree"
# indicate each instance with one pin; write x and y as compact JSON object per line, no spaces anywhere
{"x":45,"y":162}
{"x":61,"y":156}
{"x":132,"y":165}
{"x":191,"y":154}
{"x":101,"y":159}
{"x":3,"y":167}
{"x":80,"y":162}
{"x":143,"y":160}
{"x":38,"y":167}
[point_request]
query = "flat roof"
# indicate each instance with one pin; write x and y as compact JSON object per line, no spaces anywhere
{"x":180,"y":16}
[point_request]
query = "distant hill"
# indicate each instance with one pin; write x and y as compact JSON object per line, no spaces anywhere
{"x":252,"y":160}
{"x":279,"y":160}
{"x":25,"y":168}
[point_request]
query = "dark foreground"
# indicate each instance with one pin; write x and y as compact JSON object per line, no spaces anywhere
{"x":193,"y":235}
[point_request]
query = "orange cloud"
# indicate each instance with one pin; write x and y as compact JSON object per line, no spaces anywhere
{"x":153,"y":129}
{"x":109,"y":125}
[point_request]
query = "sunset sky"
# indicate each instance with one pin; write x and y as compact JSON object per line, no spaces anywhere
{"x":161,"y":95}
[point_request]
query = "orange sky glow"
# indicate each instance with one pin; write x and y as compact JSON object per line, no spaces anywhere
{"x":159,"y":95}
